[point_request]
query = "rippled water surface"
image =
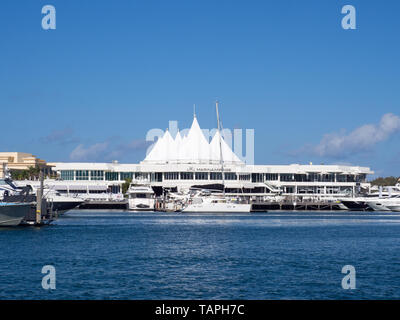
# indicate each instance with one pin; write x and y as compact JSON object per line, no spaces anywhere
{"x":285,"y":255}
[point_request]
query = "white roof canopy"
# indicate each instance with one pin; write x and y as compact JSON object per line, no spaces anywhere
{"x":193,"y":148}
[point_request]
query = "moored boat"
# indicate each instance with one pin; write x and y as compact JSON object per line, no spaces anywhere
{"x":141,"y":197}
{"x":12,"y":214}
{"x":215,"y":204}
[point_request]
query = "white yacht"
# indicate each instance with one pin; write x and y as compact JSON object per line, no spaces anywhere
{"x":10,"y":193}
{"x":202,"y":202}
{"x":8,"y":188}
{"x":386,"y":199}
{"x":385,"y":204}
{"x":141,"y":197}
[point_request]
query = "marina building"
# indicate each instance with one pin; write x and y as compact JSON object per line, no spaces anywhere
{"x":21,"y":161}
{"x":184,"y":161}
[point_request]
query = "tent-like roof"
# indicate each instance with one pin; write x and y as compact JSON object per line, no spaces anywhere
{"x":157,"y":152}
{"x":228,"y":155}
{"x":196,"y":148}
{"x":193,"y":148}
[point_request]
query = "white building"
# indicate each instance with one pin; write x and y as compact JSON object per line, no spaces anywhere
{"x":184,"y":161}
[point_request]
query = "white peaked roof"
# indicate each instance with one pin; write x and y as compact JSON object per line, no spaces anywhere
{"x":193,"y":148}
{"x":196,"y":148}
{"x":156,"y":154}
{"x":169,"y":146}
{"x":228,"y":155}
{"x":179,"y":146}
{"x":163,"y":150}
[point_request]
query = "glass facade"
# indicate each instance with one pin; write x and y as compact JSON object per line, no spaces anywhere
{"x":201,"y":175}
{"x":67,"y":175}
{"x":257,"y":177}
{"x":96,"y":175}
{"x":112,"y":176}
{"x":230,"y":176}
{"x":287,"y":177}
{"x":126,"y":175}
{"x":141,"y":175}
{"x":171,"y":175}
{"x":82,"y":174}
{"x":345,"y":178}
{"x":271,"y":177}
{"x":244,"y":177}
{"x":302,"y":182}
{"x":156,"y":177}
{"x":216,"y":176}
{"x":187,"y":175}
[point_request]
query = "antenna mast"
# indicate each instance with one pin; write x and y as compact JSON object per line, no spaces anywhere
{"x":220,"y":148}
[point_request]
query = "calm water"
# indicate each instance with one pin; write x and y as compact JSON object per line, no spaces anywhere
{"x":121,"y":255}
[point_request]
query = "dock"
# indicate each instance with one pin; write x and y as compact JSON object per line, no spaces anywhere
{"x":100,"y":205}
{"x":299,"y":206}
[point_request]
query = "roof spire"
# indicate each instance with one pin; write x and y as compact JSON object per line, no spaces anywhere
{"x":194,"y":110}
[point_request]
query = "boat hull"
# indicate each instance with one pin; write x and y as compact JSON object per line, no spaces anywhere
{"x":356,"y":205}
{"x":13,"y":214}
{"x":217,"y":208}
{"x":64,"y":206}
{"x":395,"y":208}
{"x":141,"y":204}
{"x":377,"y":206}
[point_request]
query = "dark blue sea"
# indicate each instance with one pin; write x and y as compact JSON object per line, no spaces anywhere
{"x":123,"y":255}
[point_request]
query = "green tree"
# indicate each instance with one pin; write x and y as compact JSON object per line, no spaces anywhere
{"x":25,"y":174}
{"x":385,"y":181}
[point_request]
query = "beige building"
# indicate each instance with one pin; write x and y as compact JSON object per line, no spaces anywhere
{"x":19,"y":161}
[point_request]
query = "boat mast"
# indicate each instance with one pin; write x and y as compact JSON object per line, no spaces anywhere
{"x":220,"y":148}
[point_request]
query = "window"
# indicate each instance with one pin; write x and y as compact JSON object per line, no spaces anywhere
{"x":126,"y":175}
{"x":201,"y":175}
{"x":328,"y":177}
{"x":96,"y":175}
{"x":156,"y":177}
{"x":257,"y":177}
{"x":314,"y":177}
{"x":288,"y":189}
{"x":216,"y":176}
{"x":112,"y":176}
{"x":271,"y":176}
{"x":186,"y":175}
{"x":141,"y":176}
{"x":361,"y":177}
{"x":244,"y":177}
{"x":286,"y":177}
{"x":82,"y":174}
{"x":230,"y":176}
{"x":300,"y":177}
{"x":67,"y":175}
{"x":344,"y":178}
{"x":171,"y":175}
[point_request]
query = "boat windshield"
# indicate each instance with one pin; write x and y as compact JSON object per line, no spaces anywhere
{"x":4,"y":182}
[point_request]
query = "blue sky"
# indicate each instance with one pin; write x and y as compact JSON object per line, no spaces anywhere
{"x":112,"y":70}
